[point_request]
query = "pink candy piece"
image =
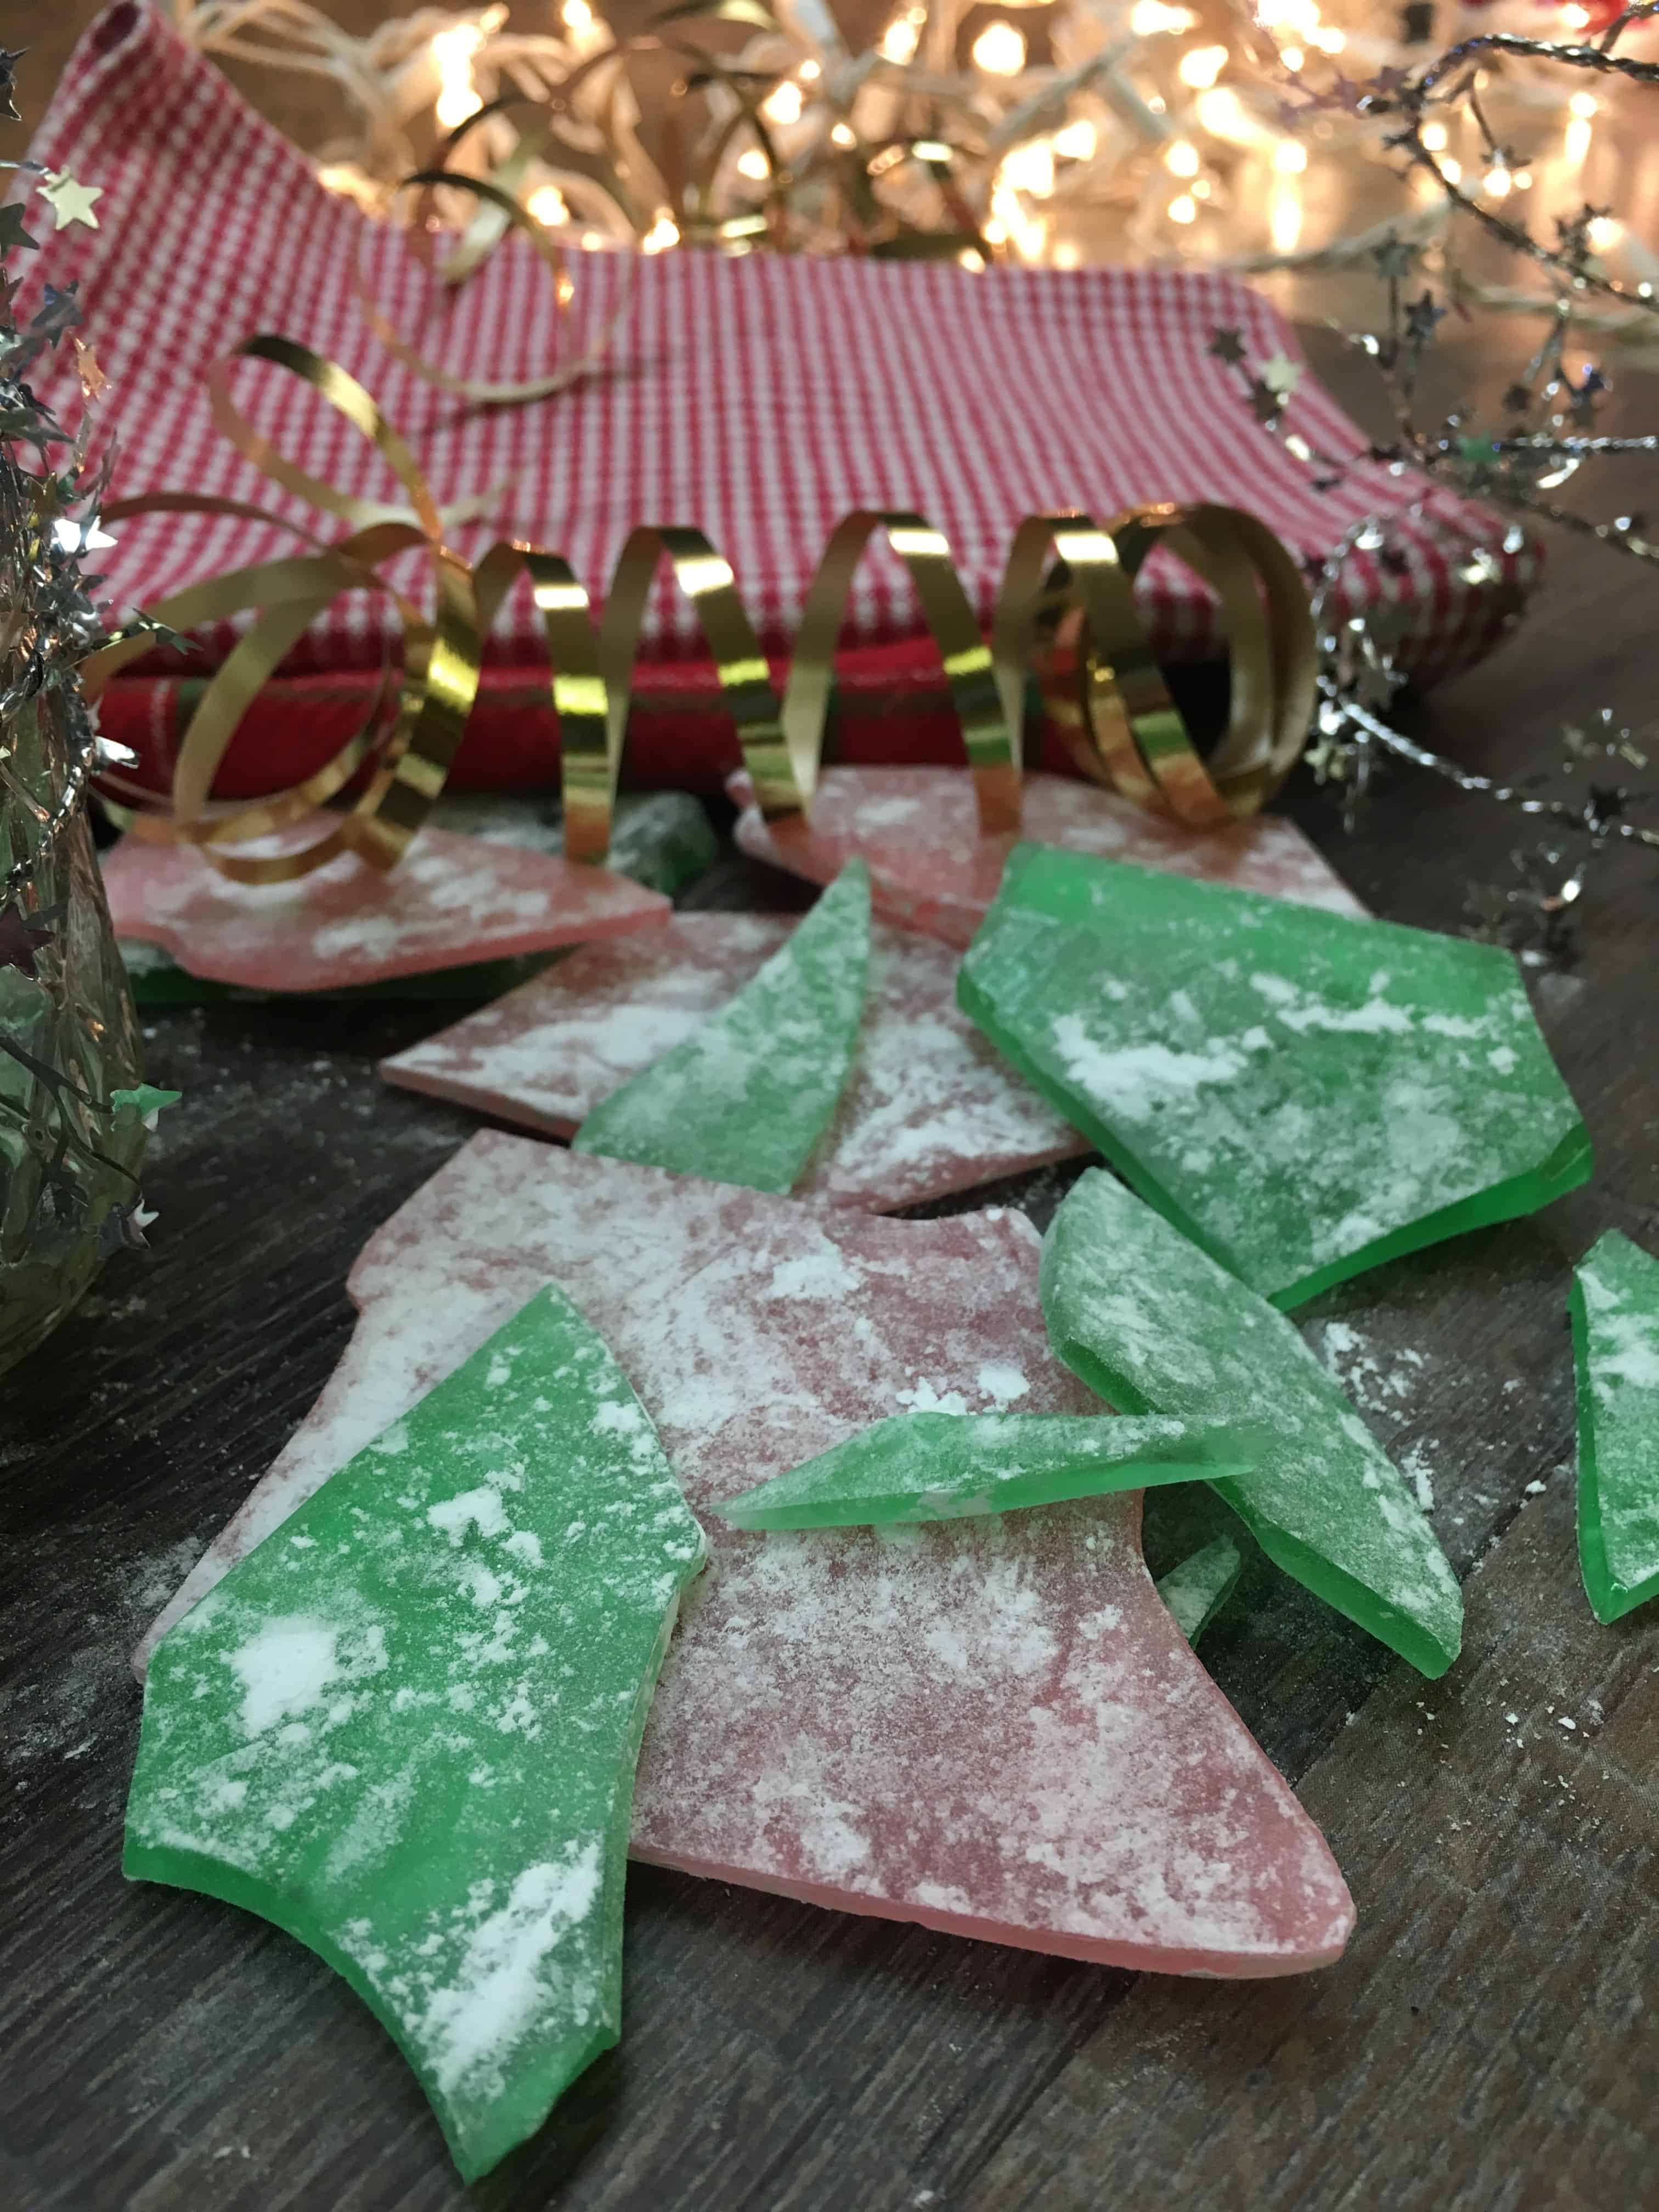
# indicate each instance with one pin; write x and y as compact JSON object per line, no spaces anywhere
{"x":930,"y":870}
{"x":449,"y":902}
{"x":993,"y":1726}
{"x":931,"y":1108}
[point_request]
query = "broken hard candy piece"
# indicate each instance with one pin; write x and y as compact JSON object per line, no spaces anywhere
{"x":746,"y":1097}
{"x":450,"y":902}
{"x":932,"y":870}
{"x":937,"y":1466}
{"x":1200,"y":1586}
{"x":405,"y":1728}
{"x":660,"y":839}
{"x":1304,"y":1095}
{"x":989,"y":1725}
{"x":1614,"y":1307}
{"x":1154,"y":1325}
{"x":931,"y":1108}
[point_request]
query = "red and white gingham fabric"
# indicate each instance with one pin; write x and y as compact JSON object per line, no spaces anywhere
{"x":759,"y":398}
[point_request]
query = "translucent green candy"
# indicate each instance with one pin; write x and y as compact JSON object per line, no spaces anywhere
{"x":940,"y":1467}
{"x":1303,"y":1094}
{"x":747,"y":1096}
{"x":405,"y":1728}
{"x":1154,"y":1325}
{"x":1614,"y":1307}
{"x":1196,"y":1591}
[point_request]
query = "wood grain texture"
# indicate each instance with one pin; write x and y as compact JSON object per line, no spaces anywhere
{"x":161,"y":2052}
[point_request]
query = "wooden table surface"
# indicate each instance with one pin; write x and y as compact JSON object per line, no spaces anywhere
{"x":1486,"y":2045}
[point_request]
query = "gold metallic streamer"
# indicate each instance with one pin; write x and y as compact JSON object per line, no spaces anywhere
{"x":1078,"y":620}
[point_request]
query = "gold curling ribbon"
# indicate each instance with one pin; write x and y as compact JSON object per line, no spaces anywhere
{"x":1099,"y":675}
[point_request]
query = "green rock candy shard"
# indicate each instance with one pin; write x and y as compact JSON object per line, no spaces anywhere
{"x":1196,"y":1591}
{"x":940,"y":1467}
{"x":1155,"y":1325}
{"x":748,"y":1095}
{"x":1614,"y":1307}
{"x":1304,"y":1094}
{"x":405,"y":1728}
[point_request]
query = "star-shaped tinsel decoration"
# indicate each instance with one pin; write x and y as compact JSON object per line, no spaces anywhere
{"x":12,"y":233}
{"x":1227,"y":346}
{"x":123,"y":1227}
{"x":70,"y":201}
{"x":94,"y":382}
{"x":1421,"y":317}
{"x":23,"y":936}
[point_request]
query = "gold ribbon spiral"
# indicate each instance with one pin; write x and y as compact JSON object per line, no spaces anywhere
{"x":1077,"y":622}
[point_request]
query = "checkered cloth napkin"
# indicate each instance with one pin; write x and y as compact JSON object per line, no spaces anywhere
{"x":759,"y":398}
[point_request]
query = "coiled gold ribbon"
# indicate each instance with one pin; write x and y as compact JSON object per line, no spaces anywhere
{"x":1076,"y":621}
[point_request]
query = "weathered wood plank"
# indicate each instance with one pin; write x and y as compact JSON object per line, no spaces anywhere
{"x":1487,"y":2042}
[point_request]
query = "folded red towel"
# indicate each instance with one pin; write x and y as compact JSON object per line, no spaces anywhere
{"x":759,"y":398}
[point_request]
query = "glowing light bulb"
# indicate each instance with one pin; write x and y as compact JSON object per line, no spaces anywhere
{"x":841,"y":136}
{"x":1434,"y":138}
{"x":591,"y":241}
{"x":1067,"y":254}
{"x":1285,"y":218}
{"x":898,"y":42}
{"x":1029,"y":168}
{"x":1452,"y":171}
{"x":1328,"y":39}
{"x":1181,"y":158}
{"x":809,"y":72}
{"x":1523,"y":180}
{"x":1201,"y":66}
{"x":1077,"y":142}
{"x":751,"y":163}
{"x":577,"y":18}
{"x":1289,"y":159}
{"x":999,"y":50}
{"x":1605,"y":231}
{"x":971,"y":260}
{"x":663,"y":233}
{"x":1183,"y":208}
{"x":452,"y":57}
{"x":1582,"y":103}
{"x":783,"y":104}
{"x":1578,"y":17}
{"x":1293,"y":57}
{"x":1497,"y":184}
{"x":1147,"y":18}
{"x":547,"y":203}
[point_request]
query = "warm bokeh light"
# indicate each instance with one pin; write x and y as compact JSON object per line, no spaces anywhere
{"x":1452,"y":171}
{"x":1184,"y":209}
{"x":663,"y":233}
{"x":1583,"y":103}
{"x":752,"y":164}
{"x":1285,"y":218}
{"x":577,"y":18}
{"x":898,"y":42}
{"x":452,"y":57}
{"x":1604,"y":233}
{"x":783,"y":104}
{"x":999,"y":50}
{"x":1434,"y":138}
{"x":1029,"y":168}
{"x":1181,"y":158}
{"x":1149,"y":17}
{"x":1201,"y":66}
{"x":1290,"y":158}
{"x":1498,"y":183}
{"x":1293,"y":57}
{"x":840,"y":135}
{"x":1077,"y":142}
{"x":547,"y":203}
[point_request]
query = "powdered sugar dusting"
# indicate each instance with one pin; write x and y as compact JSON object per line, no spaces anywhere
{"x":930,"y":1106}
{"x":932,"y":871}
{"x":997,"y":1710}
{"x":450,"y":899}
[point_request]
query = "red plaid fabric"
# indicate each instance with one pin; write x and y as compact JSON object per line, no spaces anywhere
{"x":759,"y":398}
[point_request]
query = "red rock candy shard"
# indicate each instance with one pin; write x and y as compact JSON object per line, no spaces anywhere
{"x":931,"y":1108}
{"x":932,"y":871}
{"x":449,"y":901}
{"x":992,"y":1726}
